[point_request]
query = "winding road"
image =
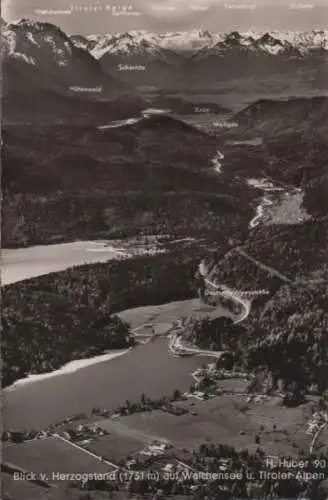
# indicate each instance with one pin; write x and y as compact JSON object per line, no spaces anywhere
{"x":226,"y":292}
{"x":176,"y":348}
{"x":175,"y":345}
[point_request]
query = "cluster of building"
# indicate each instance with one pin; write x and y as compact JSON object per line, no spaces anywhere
{"x":315,"y":423}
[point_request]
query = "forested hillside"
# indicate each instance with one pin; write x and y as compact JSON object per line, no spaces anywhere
{"x":68,"y":182}
{"x":292,"y":333}
{"x":75,"y":307}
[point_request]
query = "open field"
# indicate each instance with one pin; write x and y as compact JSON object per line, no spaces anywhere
{"x":286,"y":210}
{"x":119,"y":427}
{"x":161,"y":317}
{"x":118,"y":445}
{"x":52,"y":455}
{"x":223,"y":419}
{"x":22,"y":489}
{"x":234,"y":385}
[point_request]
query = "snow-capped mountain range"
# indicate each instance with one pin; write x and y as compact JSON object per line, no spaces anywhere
{"x":98,"y":45}
{"x":133,"y":45}
{"x":141,"y":58}
{"x":95,"y":44}
{"x":274,"y":42}
{"x":27,"y":39}
{"x":199,"y":57}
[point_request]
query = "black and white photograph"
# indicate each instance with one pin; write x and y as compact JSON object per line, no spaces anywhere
{"x":164,"y":250}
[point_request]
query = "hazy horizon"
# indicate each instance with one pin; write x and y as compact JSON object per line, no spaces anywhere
{"x":82,"y":17}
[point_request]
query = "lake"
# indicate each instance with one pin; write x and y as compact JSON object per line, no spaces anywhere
{"x":24,"y":263}
{"x":147,"y":369}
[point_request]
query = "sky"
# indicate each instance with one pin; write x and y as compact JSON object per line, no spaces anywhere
{"x":100,"y":16}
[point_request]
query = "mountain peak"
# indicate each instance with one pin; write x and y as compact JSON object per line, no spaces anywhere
{"x":26,"y":25}
{"x":58,"y":63}
{"x":201,"y":33}
{"x":29,"y":23}
{"x":234,"y":35}
{"x":269,"y":39}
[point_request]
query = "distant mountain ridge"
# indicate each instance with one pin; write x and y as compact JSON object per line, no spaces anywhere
{"x":183,"y":42}
{"x":201,"y":58}
{"x":272,"y":42}
{"x":307,"y":116}
{"x":129,"y":45}
{"x":41,"y":55}
{"x":139,"y":59}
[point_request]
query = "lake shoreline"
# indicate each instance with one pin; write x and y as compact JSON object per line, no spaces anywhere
{"x":67,"y":368}
{"x":20,"y":264}
{"x":103,"y":384}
